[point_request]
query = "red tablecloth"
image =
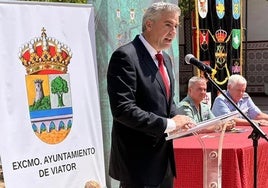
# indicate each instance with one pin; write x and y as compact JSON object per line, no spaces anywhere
{"x":237,"y":160}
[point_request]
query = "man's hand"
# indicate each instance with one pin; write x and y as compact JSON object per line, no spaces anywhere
{"x":183,"y":123}
{"x":230,"y":125}
{"x":262,"y":122}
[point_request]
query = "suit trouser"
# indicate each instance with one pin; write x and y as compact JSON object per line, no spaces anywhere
{"x":166,"y":183}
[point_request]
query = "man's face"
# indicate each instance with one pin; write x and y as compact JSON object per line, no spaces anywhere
{"x":163,"y":30}
{"x":198,"y":91}
{"x":237,"y":91}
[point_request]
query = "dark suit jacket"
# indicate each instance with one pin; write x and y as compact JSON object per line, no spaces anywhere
{"x":139,"y":151}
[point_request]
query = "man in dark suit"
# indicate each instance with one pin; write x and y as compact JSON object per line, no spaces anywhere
{"x":142,"y":104}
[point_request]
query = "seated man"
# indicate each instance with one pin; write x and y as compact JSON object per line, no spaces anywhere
{"x":192,"y":104}
{"x":236,"y":88}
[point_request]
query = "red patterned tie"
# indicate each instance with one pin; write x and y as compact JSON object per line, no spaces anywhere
{"x":163,"y":73}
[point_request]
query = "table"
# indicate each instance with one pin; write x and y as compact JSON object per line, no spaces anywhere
{"x":237,"y":160}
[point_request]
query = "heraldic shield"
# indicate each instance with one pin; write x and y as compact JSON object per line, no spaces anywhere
{"x":48,"y":88}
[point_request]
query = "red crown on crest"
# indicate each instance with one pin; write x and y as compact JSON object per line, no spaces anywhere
{"x":221,"y":35}
{"x":45,"y":55}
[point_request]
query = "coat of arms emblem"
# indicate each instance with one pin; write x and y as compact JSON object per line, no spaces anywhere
{"x":48,"y":87}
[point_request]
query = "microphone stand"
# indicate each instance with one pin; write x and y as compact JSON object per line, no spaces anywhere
{"x":256,"y":132}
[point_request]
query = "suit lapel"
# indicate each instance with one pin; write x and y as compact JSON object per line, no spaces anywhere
{"x":168,"y":65}
{"x":150,"y":64}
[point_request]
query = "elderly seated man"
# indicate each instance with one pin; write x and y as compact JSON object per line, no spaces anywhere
{"x":236,"y":90}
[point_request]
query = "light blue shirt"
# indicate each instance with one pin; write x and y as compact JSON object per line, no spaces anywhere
{"x":222,"y":106}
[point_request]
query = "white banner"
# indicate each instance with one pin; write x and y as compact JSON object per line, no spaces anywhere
{"x":50,"y":124}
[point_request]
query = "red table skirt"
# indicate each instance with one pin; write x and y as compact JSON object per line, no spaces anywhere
{"x":237,"y":160}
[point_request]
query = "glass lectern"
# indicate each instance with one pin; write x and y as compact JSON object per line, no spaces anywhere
{"x":212,"y":158}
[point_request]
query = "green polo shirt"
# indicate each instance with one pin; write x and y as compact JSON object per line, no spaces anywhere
{"x":187,"y":107}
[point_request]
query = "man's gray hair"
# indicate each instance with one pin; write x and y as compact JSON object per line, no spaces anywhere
{"x":195,"y":79}
{"x":156,"y":9}
{"x":236,"y":79}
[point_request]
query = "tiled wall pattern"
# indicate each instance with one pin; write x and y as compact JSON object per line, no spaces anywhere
{"x":256,"y":69}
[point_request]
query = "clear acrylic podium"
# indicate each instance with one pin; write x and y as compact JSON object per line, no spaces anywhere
{"x":212,"y":158}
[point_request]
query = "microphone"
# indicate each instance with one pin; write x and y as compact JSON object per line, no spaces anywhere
{"x":190,"y":59}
